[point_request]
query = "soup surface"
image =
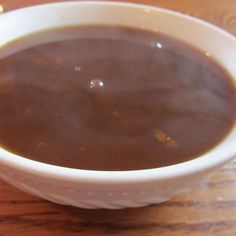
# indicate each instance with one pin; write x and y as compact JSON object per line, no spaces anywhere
{"x":111,"y":98}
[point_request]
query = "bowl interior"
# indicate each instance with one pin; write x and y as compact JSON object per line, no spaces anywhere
{"x":213,"y":41}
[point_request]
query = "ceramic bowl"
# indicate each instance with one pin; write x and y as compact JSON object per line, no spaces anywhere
{"x":116,"y":189}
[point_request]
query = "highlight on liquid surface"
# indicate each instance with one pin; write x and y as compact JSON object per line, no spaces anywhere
{"x":112,"y":98}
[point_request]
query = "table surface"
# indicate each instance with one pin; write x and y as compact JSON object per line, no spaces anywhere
{"x":209,"y":210}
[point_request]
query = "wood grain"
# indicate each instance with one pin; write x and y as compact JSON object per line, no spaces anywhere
{"x":209,"y":210}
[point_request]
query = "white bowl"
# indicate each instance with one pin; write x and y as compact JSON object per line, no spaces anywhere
{"x":111,"y":189}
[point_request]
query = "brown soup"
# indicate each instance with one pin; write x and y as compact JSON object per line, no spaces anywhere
{"x":112,"y":98}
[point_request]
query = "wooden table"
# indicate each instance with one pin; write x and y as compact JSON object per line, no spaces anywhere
{"x":209,"y":210}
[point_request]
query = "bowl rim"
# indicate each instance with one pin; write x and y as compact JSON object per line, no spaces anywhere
{"x":198,"y":164}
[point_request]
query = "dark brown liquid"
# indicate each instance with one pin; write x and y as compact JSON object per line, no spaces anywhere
{"x":112,"y":99}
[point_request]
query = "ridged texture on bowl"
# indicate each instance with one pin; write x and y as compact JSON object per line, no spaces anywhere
{"x":110,"y":197}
